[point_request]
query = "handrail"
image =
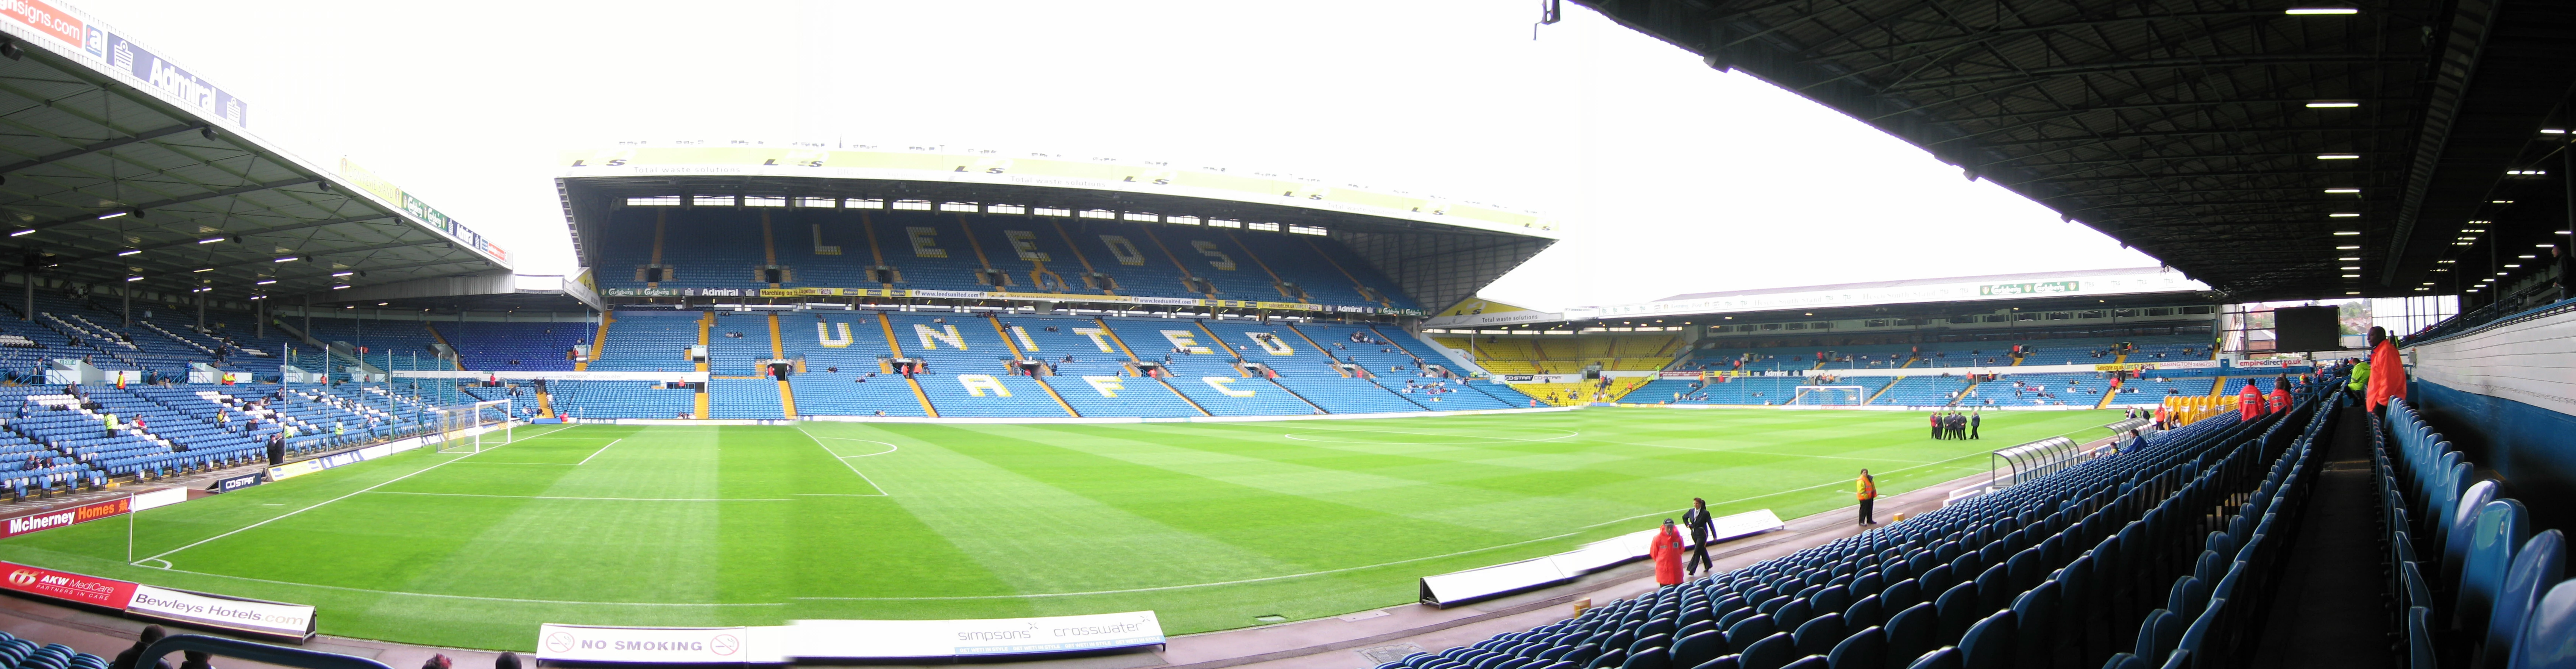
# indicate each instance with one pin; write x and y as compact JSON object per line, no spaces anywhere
{"x":255,"y":652}
{"x":2030,"y":461}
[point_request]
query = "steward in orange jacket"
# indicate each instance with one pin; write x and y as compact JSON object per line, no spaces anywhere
{"x":2249,"y":404}
{"x":2387,"y":371}
{"x":1667,"y":553}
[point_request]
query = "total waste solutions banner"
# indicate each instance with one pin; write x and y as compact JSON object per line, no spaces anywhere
{"x":277,"y":620}
{"x":848,"y":639}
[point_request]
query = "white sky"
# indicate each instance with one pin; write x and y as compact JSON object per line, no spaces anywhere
{"x":1670,"y":177}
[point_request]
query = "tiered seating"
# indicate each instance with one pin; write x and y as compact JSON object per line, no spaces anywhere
{"x":1929,"y":389}
{"x":2471,"y":583}
{"x":1499,"y":355}
{"x":711,"y":247}
{"x":743,"y":399}
{"x":380,"y":337}
{"x":1203,"y":373}
{"x":845,"y":373}
{"x":1998,"y":580}
{"x":969,"y":374}
{"x":1383,"y":356}
{"x":23,"y":654}
{"x":1443,"y":394}
{"x":1097,"y":382}
{"x":621,"y":399}
{"x":1505,"y":394}
{"x":490,"y":346}
{"x":648,"y":341}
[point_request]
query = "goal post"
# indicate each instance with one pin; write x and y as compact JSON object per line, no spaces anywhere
{"x":470,"y":428}
{"x":1829,"y":396}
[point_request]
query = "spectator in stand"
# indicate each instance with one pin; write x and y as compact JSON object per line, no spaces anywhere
{"x":2249,"y":404}
{"x":197,"y":660}
{"x":2281,"y":393}
{"x":507,"y":660}
{"x":126,"y":659}
{"x":437,"y":662}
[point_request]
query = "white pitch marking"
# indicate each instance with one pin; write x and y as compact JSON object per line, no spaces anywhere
{"x":594,"y":454}
{"x":845,"y":460}
{"x":283,"y":516}
{"x":613,"y":499}
{"x":439,"y":596}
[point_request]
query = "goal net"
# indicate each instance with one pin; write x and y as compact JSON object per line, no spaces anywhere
{"x":1829,"y":396}
{"x":470,"y":428}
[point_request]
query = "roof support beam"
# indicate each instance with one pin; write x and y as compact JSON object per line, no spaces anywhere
{"x":228,"y":192}
{"x":2458,"y":61}
{"x":95,"y":148}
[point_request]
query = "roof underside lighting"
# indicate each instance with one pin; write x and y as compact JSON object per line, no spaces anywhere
{"x":23,"y":232}
{"x":2321,"y":11}
{"x":2343,"y":214}
{"x":264,"y":282}
{"x":341,"y":286}
{"x":2347,"y":233}
{"x":128,"y":252}
{"x":210,"y":240}
{"x":2338,"y":156}
{"x":112,"y":214}
{"x":2333,"y":104}
{"x":134,"y":278}
{"x":2346,"y":248}
{"x":2343,"y":190}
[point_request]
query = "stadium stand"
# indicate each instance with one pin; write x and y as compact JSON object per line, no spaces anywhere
{"x":1203,"y":370}
{"x":845,"y":366}
{"x":2471,"y":583}
{"x":970,"y":371}
{"x":491,"y":346}
{"x":2000,"y":579}
{"x":644,"y":341}
{"x":981,"y":252}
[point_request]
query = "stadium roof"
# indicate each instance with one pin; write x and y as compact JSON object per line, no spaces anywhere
{"x":2236,"y":143}
{"x":1439,"y":250}
{"x":119,"y":164}
{"x":2087,"y":289}
{"x":1989,"y":279}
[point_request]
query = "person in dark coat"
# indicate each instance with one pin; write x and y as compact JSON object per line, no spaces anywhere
{"x":1974,"y":420}
{"x":1698,"y":520}
{"x":1936,"y":424}
{"x":151,"y":633}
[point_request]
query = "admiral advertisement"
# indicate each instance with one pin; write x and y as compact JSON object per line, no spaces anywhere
{"x":72,"y":32}
{"x":47,"y":520}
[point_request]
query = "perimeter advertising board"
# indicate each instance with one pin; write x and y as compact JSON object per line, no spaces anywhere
{"x":896,"y":639}
{"x":251,"y":616}
{"x":67,"y":586}
{"x":70,"y":31}
{"x":46,"y":520}
{"x":647,"y":645}
{"x":248,"y":616}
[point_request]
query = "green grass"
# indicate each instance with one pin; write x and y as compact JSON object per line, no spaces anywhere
{"x":1209,"y":524}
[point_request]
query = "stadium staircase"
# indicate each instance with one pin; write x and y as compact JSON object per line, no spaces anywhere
{"x":1019,"y":352}
{"x":2158,"y":556}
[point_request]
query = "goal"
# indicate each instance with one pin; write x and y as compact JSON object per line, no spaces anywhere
{"x":1829,"y":396}
{"x":470,"y":428}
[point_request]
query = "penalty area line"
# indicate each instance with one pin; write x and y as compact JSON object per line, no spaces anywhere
{"x":283,"y":516}
{"x":845,"y":460}
{"x":465,"y":597}
{"x":602,"y":449}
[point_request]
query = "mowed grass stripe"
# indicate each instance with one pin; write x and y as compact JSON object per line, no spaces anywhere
{"x":1042,"y":538}
{"x":1277,"y":521}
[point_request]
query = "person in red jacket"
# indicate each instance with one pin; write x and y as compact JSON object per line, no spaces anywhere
{"x":2249,"y":404}
{"x":1667,"y":554}
{"x":2387,"y":370}
{"x":2281,"y":393}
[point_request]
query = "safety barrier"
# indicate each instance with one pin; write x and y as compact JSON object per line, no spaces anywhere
{"x":2013,"y":466}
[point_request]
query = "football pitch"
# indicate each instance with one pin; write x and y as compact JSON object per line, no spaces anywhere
{"x":1212,"y":525}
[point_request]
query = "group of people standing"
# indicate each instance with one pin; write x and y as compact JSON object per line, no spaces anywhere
{"x":1956,"y":425}
{"x":1672,"y":565}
